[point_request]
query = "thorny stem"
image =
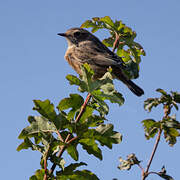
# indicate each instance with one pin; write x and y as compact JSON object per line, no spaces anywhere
{"x":68,"y":140}
{"x":167,"y":111}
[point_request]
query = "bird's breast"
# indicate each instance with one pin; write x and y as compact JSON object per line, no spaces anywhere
{"x":72,"y":59}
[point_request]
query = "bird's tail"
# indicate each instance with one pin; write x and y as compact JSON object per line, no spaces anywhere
{"x":134,"y":88}
{"x":130,"y":84}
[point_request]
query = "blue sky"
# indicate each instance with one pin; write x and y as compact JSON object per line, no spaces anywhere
{"x":32,"y":66}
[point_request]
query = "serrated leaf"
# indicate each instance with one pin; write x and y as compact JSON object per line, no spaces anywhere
{"x":91,"y":147}
{"x":150,"y":103}
{"x":45,"y":108}
{"x":150,"y":127}
{"x":106,"y":136}
{"x":72,"y":151}
{"x":108,"y":21}
{"x":74,"y":102}
{"x":39,"y":124}
{"x":73,"y":80}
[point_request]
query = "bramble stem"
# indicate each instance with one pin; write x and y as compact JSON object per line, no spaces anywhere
{"x":68,"y":140}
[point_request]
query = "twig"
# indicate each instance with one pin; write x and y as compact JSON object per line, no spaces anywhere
{"x":116,"y":42}
{"x":71,"y":140}
{"x":45,"y":168}
{"x":83,"y":107}
{"x":60,"y":137}
{"x":58,"y":155}
{"x":152,"y":154}
{"x":167,"y":111}
{"x":142,"y":169}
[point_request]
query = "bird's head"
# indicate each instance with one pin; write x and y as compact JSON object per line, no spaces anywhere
{"x":76,"y":35}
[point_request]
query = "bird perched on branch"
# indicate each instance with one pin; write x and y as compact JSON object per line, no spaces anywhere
{"x":84,"y":47}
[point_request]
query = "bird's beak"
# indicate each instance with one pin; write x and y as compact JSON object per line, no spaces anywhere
{"x":62,"y":34}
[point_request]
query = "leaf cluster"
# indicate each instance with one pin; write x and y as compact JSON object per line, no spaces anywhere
{"x":52,"y":132}
{"x":169,"y":125}
{"x":121,"y":38}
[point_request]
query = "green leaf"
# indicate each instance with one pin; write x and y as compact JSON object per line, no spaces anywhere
{"x":87,"y":113}
{"x":162,"y":91}
{"x":39,"y":175}
{"x":73,"y":80}
{"x":94,"y":121}
{"x":171,"y":122}
{"x":72,"y":151}
{"x":106,"y":136}
{"x":107,"y":20}
{"x":107,"y":91}
{"x":150,"y":127}
{"x":38,"y":125}
{"x":169,"y":136}
{"x":74,"y":102}
{"x":132,"y":69}
{"x":25,"y":145}
{"x":91,"y":147}
{"x":45,"y":108}
{"x":70,"y":169}
{"x":150,"y":103}
{"x":80,"y":175}
{"x":58,"y":161}
{"x":108,"y":42}
{"x":176,"y":96}
{"x":101,"y":106}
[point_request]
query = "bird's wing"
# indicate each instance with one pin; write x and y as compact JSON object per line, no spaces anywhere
{"x":97,"y":53}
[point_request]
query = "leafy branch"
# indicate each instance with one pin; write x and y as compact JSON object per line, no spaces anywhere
{"x":169,"y":126}
{"x":77,"y":122}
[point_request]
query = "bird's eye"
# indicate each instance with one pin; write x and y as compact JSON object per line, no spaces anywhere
{"x":77,"y":34}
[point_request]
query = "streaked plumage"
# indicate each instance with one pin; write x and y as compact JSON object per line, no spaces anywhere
{"x":84,"y":47}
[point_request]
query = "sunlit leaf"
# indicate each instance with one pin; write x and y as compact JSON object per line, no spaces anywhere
{"x":106,"y":136}
{"x":91,"y":147}
{"x":45,"y":108}
{"x":39,"y":124}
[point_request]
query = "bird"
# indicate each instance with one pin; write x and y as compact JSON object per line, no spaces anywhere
{"x":84,"y":47}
